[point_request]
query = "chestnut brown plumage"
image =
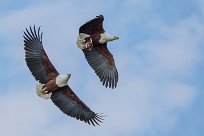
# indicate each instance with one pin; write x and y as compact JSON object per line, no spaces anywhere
{"x":44,"y":72}
{"x":97,"y":53}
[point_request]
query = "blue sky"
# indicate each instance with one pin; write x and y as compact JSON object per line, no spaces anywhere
{"x":159,"y":57}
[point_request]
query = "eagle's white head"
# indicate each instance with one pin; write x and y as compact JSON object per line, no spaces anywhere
{"x":61,"y":80}
{"x":106,"y":37}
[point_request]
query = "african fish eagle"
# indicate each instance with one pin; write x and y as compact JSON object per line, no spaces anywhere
{"x":52,"y":84}
{"x":93,"y":39}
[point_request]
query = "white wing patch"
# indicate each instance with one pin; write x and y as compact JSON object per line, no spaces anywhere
{"x":81,"y":40}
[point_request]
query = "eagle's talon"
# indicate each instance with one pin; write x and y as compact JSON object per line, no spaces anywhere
{"x":88,"y":44}
{"x":45,"y":90}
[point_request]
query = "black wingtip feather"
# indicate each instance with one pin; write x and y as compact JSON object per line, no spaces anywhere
{"x":71,"y":108}
{"x":107,"y":73}
{"x":33,"y":53}
{"x":100,"y":16}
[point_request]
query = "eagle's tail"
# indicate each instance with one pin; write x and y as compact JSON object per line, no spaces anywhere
{"x":41,"y":93}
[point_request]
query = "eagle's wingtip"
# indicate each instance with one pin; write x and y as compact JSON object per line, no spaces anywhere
{"x":100,"y":16}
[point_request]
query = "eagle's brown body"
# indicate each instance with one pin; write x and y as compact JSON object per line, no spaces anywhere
{"x":50,"y":86}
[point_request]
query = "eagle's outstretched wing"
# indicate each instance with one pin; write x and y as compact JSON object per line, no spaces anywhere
{"x":93,"y":26}
{"x":36,"y":57}
{"x":102,"y":61}
{"x":68,"y":102}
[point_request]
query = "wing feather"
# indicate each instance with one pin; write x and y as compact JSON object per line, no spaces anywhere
{"x":36,"y":58}
{"x":68,"y":102}
{"x":93,"y":26}
{"x":102,"y":61}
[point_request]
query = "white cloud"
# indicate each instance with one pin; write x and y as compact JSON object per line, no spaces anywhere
{"x":21,"y":112}
{"x":151,"y":90}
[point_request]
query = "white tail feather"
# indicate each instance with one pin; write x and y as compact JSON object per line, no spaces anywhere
{"x":41,"y":93}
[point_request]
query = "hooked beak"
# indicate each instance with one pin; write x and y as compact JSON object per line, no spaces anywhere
{"x":69,"y":75}
{"x":116,"y":37}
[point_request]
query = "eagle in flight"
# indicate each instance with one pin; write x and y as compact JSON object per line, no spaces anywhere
{"x":52,"y":84}
{"x":93,"y":39}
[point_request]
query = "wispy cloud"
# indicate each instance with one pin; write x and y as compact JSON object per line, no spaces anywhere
{"x":155,"y":73}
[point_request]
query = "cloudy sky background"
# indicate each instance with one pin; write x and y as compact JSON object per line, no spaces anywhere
{"x":159,"y":57}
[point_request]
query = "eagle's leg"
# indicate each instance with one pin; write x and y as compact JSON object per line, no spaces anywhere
{"x":88,"y":43}
{"x":41,"y":91}
{"x":45,"y":90}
